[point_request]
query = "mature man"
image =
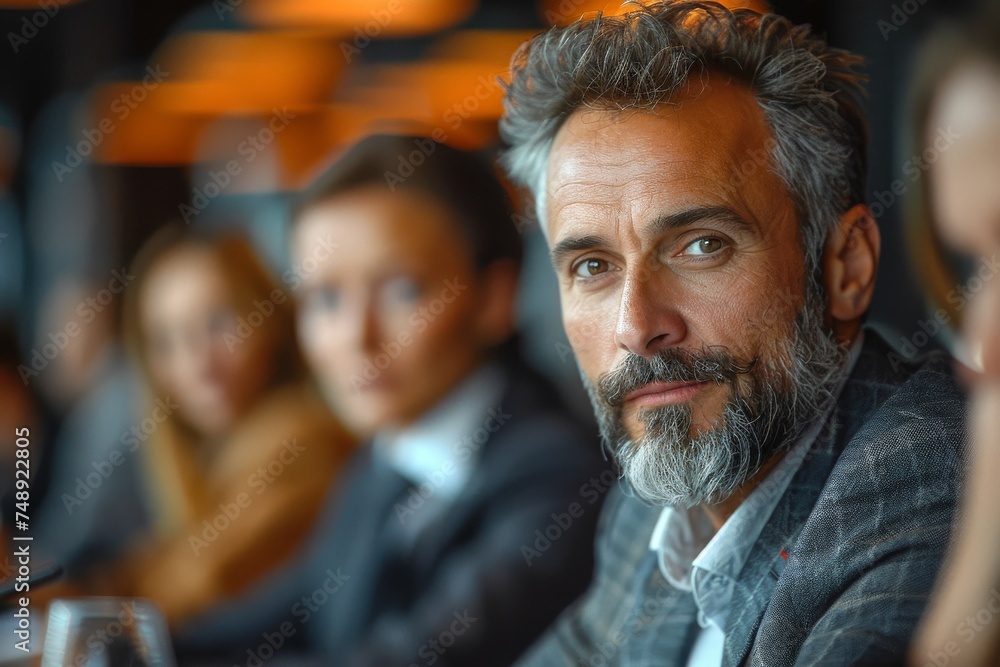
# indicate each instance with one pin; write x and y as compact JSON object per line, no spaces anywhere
{"x":700,"y":176}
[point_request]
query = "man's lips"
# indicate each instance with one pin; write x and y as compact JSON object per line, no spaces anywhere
{"x":664,"y":393}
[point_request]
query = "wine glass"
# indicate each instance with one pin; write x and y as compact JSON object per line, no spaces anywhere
{"x":106,"y":632}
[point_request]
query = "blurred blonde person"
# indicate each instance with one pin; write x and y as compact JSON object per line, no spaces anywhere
{"x":958,"y":90}
{"x":243,"y":451}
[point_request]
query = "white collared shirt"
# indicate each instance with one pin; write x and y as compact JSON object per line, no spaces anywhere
{"x":693,"y":557}
{"x":425,"y":452}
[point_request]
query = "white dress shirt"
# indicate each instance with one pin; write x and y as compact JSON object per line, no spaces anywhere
{"x":426,"y":452}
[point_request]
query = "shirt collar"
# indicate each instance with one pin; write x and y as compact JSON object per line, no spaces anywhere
{"x":424,"y":452}
{"x":693,"y":557}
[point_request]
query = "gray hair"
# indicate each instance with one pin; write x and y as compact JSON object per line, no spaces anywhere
{"x":808,"y":91}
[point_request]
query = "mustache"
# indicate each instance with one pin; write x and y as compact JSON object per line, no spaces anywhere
{"x":714,"y":364}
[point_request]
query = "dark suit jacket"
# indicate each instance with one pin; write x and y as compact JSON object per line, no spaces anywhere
{"x":842,"y":570}
{"x":467,"y":582}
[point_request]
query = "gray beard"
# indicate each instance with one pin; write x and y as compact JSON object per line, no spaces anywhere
{"x":771,"y":402}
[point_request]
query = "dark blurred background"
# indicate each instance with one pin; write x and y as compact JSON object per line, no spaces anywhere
{"x":223,"y":67}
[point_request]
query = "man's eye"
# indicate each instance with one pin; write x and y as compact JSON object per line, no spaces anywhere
{"x":704,"y":246}
{"x":589,"y":268}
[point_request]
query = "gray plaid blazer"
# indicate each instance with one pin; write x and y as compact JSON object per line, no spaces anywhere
{"x":842,"y":570}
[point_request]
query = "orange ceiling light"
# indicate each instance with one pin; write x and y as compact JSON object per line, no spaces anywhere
{"x":285,"y":159}
{"x":456,"y":90}
{"x":312,"y":136}
{"x":493,"y":47}
{"x":215,"y":73}
{"x":128,"y":130}
{"x":362,"y":19}
{"x":460,"y":80}
{"x":456,"y":95}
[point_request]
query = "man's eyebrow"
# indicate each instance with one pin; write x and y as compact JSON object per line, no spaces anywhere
{"x":722,"y":214}
{"x":568,"y":246}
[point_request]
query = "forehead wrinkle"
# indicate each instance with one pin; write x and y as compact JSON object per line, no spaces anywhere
{"x":707,"y":140}
{"x":607,"y":223}
{"x":628,"y":214}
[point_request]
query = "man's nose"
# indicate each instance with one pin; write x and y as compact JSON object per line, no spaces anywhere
{"x":648,"y":320}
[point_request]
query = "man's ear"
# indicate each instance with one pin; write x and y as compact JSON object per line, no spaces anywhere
{"x":497,"y":318}
{"x":850,"y":264}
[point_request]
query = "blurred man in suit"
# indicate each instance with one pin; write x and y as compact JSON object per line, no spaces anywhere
{"x":700,"y":175}
{"x":467,"y":525}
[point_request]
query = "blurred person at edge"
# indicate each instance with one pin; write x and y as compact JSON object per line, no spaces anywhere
{"x":467,"y":523}
{"x":91,"y":509}
{"x":243,"y":450}
{"x":957,"y":212}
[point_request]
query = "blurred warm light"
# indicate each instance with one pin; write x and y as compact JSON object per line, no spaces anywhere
{"x":563,"y":12}
{"x":239,"y":73}
{"x":363,"y":19}
{"x":494,"y":47}
{"x":456,"y":91}
{"x":294,"y":152}
{"x":218,"y":87}
{"x":453,"y":96}
{"x":454,"y":102}
{"x":147,"y":134}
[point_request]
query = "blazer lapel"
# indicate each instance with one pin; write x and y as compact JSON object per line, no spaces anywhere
{"x":358,"y":543}
{"x":660,"y":626}
{"x":764,"y":565}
